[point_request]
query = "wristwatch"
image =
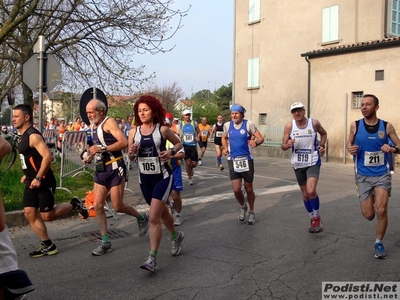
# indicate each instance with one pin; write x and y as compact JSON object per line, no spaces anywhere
{"x":173,"y":151}
{"x":38,"y":178}
{"x":103,"y":148}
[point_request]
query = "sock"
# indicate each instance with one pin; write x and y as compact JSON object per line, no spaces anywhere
{"x":140,"y":218}
{"x":308,"y":206}
{"x":378,"y":241}
{"x":47,"y":243}
{"x":153,"y":253}
{"x":199,"y":159}
{"x":174,"y":234}
{"x":251,"y":212}
{"x":105,"y":238}
{"x":219,"y":160}
{"x":315,"y":205}
{"x":244,"y":206}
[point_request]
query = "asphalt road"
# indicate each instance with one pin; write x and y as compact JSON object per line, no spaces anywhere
{"x":223,"y":258}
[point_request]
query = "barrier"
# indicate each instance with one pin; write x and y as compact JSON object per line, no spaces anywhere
{"x":71,"y":162}
{"x":50,"y":138}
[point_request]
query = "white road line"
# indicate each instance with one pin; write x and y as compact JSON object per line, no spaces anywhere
{"x":225,"y":196}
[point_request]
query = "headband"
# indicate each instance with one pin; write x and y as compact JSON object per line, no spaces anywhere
{"x":238,"y":108}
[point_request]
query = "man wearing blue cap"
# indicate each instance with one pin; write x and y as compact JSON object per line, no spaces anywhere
{"x":240,"y":161}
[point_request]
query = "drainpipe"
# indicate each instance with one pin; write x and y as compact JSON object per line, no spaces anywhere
{"x":308,"y":86}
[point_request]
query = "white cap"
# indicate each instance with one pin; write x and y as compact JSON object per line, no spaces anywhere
{"x":167,"y":121}
{"x":185,"y":112}
{"x":297,"y":105}
{"x":176,"y":119}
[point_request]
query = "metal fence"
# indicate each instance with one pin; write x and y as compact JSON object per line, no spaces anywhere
{"x":73,"y":143}
{"x":272,"y":135}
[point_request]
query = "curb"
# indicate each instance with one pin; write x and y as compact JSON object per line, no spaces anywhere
{"x":17,"y":218}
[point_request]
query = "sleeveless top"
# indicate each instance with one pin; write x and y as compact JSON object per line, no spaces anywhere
{"x":204,"y":131}
{"x":100,"y":137}
{"x":151,"y":168}
{"x":189,"y":133}
{"x":30,"y":158}
{"x":238,"y":141}
{"x":370,"y":160}
{"x":219,"y":130}
{"x":305,"y":149}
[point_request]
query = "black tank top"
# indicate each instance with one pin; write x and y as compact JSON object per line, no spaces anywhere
{"x":31,"y":160}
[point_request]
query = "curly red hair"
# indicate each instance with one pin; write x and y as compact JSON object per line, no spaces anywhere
{"x":156,"y":107}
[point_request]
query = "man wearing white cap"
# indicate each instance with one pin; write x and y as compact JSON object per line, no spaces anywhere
{"x":300,"y":135}
{"x":239,"y":132}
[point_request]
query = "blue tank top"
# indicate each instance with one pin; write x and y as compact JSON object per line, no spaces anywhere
{"x":370,"y":160}
{"x":238,"y":140}
{"x":189,"y":134}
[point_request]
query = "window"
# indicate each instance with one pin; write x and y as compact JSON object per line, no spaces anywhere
{"x":253,"y":79}
{"x":254,"y":11}
{"x":395,"y":18}
{"x":356,"y":99}
{"x":262,"y":119}
{"x":330,"y":24}
{"x":379,"y":75}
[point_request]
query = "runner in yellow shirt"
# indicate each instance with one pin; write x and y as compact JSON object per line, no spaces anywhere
{"x":204,"y":136}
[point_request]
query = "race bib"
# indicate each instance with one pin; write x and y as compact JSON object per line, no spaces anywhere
{"x":218,"y":134}
{"x":61,"y":135}
{"x":204,"y":133}
{"x":188,"y":137}
{"x":23,"y":164}
{"x":374,"y":158}
{"x":149,"y":165}
{"x":303,"y":157}
{"x":241,"y":164}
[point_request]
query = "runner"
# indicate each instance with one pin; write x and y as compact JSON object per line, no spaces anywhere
{"x":190,"y":135}
{"x":217,"y":131}
{"x":205,"y":134}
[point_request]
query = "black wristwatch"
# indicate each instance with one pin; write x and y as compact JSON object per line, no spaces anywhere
{"x":103,"y":148}
{"x":173,"y":151}
{"x":38,"y":178}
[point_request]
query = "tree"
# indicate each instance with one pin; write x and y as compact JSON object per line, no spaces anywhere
{"x":95,"y":41}
{"x":202,"y":95}
{"x":13,"y":13}
{"x":168,"y":95}
{"x":223,"y":97}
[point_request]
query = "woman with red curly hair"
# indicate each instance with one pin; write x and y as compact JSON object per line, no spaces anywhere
{"x":147,"y":142}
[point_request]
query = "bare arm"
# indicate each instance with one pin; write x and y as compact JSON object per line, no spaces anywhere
{"x":5,"y":147}
{"x":391,"y":132}
{"x":287,"y":142}
{"x":350,"y":140}
{"x":257,"y":136}
{"x":36,"y":141}
{"x":111,"y":126}
{"x":318,"y":127}
{"x":169,"y":135}
{"x":131,"y":148}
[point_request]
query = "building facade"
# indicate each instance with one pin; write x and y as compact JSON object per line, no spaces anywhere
{"x":324,"y":53}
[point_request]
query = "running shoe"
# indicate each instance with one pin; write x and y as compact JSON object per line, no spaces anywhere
{"x":176,"y":243}
{"x":392,"y":172}
{"x":80,"y":207}
{"x":150,"y":264}
{"x":177,"y":219}
{"x":221,"y":167}
{"x":252,"y":219}
{"x":316,"y":225}
{"x":242,"y":213}
{"x":190,"y":181}
{"x":199,"y":162}
{"x":44,"y":250}
{"x":143,"y":225}
{"x":380,"y":252}
{"x":102,"y":249}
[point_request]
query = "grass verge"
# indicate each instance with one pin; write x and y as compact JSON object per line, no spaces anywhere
{"x":12,"y":189}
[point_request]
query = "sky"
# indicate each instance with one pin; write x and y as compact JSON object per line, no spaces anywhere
{"x":203,"y":55}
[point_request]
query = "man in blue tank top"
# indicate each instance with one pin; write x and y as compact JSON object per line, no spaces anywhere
{"x":238,"y":132}
{"x":368,"y":143}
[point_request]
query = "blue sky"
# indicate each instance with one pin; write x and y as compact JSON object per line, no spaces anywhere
{"x":203,"y":55}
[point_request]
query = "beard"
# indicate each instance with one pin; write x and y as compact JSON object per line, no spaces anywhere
{"x":95,"y":120}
